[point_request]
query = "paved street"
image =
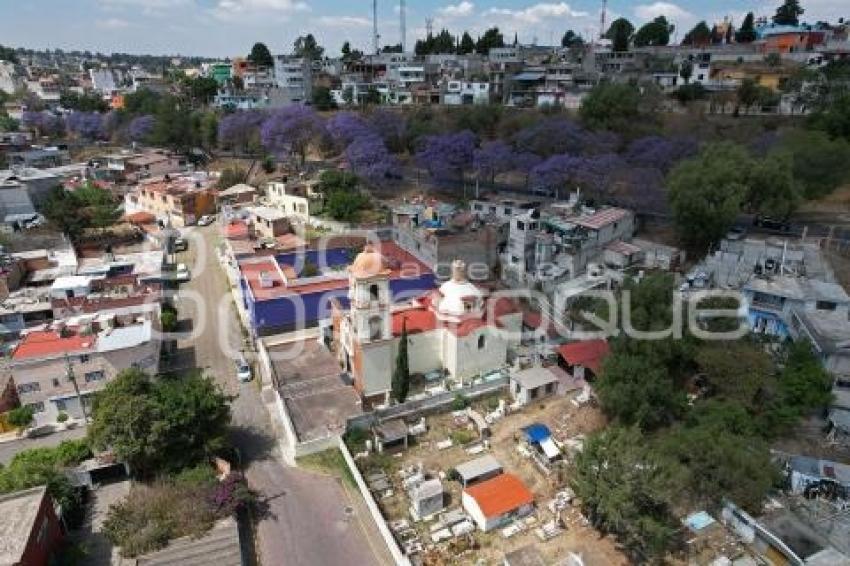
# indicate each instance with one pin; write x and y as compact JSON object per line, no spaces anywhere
{"x":310,"y":521}
{"x":12,"y":447}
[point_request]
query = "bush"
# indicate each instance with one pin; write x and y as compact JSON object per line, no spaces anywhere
{"x":62,"y":417}
{"x":356,"y":439}
{"x":269,"y":164}
{"x":459,"y":403}
{"x":21,"y":417}
{"x":462,"y":436}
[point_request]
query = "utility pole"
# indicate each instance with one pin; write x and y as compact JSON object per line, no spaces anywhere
{"x":73,"y":379}
{"x":375,"y":45}
{"x":402,"y":23}
{"x":602,"y":17}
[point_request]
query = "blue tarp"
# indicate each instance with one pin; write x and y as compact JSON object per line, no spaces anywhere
{"x":537,"y":433}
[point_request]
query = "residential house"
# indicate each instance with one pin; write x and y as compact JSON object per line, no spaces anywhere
{"x":268,"y":222}
{"x":93,"y":348}
{"x":299,"y":200}
{"x":436,"y":234}
{"x":497,"y":502}
{"x":771,"y":299}
{"x":37,"y":182}
{"x":30,"y":533}
{"x":426,"y":498}
{"x":237,"y":195}
{"x":294,"y":78}
{"x":175,"y":200}
{"x":584,"y":360}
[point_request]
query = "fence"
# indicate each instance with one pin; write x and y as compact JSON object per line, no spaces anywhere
{"x":383,"y":528}
{"x":430,"y":404}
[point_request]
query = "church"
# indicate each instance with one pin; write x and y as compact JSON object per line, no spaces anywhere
{"x":458,"y":329}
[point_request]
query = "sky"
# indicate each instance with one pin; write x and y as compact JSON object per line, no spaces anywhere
{"x":227,"y":28}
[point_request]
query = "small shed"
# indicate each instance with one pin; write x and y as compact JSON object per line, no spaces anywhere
{"x":498,"y":501}
{"x":426,"y":499}
{"x":478,"y":470}
{"x":584,"y":359}
{"x":539,"y":436}
{"x":531,"y":384}
{"x":391,"y":434}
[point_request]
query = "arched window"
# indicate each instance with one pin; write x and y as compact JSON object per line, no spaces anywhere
{"x":375,"y":328}
{"x":374,"y":292}
{"x":481,"y":342}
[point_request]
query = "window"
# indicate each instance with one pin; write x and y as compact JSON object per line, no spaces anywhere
{"x":374,"y":292}
{"x":60,"y":404}
{"x":95,"y":376}
{"x":55,"y":382}
{"x":520,"y":225}
{"x":36,"y":407}
{"x":482,"y":341}
{"x":29,"y":387}
{"x":84,"y":359}
{"x":375,"y":328}
{"x":825,"y":306}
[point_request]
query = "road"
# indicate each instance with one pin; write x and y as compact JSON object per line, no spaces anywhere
{"x":309,"y":519}
{"x":12,"y":447}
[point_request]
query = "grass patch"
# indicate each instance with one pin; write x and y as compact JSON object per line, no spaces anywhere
{"x":329,"y":462}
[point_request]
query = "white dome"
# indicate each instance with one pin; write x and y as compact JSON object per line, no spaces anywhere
{"x":454,"y":292}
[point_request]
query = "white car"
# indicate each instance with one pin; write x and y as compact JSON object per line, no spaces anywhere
{"x":206,"y":220}
{"x":243,"y":370}
{"x":182,"y":273}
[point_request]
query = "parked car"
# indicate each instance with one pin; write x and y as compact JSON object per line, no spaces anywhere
{"x":243,"y":370}
{"x":206,"y":220}
{"x":182,"y":274}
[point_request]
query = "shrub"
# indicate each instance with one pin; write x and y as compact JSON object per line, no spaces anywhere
{"x":62,"y":417}
{"x":459,"y":403}
{"x":21,"y":417}
{"x":462,"y":437}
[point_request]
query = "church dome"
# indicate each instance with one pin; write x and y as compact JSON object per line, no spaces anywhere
{"x":459,"y":296}
{"x":368,"y":263}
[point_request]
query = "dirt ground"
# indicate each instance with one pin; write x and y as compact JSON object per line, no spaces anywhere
{"x":565,"y":420}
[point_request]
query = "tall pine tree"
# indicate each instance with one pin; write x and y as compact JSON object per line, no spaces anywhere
{"x":401,"y":375}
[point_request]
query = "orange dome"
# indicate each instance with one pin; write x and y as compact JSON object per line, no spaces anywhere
{"x":368,"y":263}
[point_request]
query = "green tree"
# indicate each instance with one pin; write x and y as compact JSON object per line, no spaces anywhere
{"x":699,"y":36}
{"x":773,"y":190}
{"x":344,"y":205}
{"x":747,"y":31}
{"x":346,"y":49}
{"x":833,"y":115}
{"x":21,"y":417}
{"x":492,"y":38}
{"x":804,"y":384}
{"x":467,"y":44}
{"x":721,"y":465}
{"x":610,"y":106}
{"x":209,"y":130}
{"x":307,"y":47}
{"x":160,"y":425}
{"x":322,"y":98}
{"x":202,"y":89}
{"x":627,"y":490}
{"x":571,"y":39}
{"x":788,"y":14}
{"x":261,"y":56}
{"x":706,"y":193}
{"x":686,"y":71}
{"x":656,"y":32}
{"x":82,"y":102}
{"x":818,"y":162}
{"x":737,"y":371}
{"x":401,"y":375}
{"x":620,"y":33}
{"x":635,"y":390}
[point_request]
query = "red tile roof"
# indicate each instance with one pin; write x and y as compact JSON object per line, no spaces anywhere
{"x":500,"y":495}
{"x":236,"y":230}
{"x":140,"y":217}
{"x":417,"y":320}
{"x":49,"y":343}
{"x":601,"y":218}
{"x":589,"y":353}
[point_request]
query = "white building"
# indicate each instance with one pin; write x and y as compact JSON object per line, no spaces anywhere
{"x":497,"y":502}
{"x":457,"y":330}
{"x":457,"y":93}
{"x":298,"y":200}
{"x":294,"y":77}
